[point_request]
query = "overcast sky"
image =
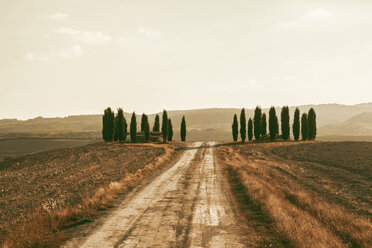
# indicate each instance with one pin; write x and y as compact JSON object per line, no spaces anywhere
{"x":65,"y":57}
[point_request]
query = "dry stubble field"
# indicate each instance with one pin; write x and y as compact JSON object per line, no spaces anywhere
{"x":55,"y":189}
{"x":299,"y":194}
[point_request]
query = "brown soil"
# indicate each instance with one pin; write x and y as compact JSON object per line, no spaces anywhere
{"x":46,"y":181}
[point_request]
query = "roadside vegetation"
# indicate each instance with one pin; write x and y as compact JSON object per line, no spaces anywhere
{"x":314,"y":194}
{"x":258,"y":126}
{"x":114,"y":128}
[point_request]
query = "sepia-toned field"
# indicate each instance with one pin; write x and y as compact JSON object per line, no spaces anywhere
{"x":303,"y":194}
{"x":65,"y":187}
{"x":11,"y":148}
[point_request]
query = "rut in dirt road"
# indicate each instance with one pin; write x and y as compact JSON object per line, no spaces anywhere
{"x":185,"y":206}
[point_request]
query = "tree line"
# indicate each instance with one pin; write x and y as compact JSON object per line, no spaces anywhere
{"x":258,"y":126}
{"x":114,"y":128}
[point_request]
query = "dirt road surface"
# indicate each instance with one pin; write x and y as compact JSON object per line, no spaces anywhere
{"x":186,"y":206}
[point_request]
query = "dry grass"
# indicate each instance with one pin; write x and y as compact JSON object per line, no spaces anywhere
{"x":45,"y":229}
{"x":287,"y":195}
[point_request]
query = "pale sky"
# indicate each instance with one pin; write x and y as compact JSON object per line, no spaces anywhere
{"x":65,"y":57}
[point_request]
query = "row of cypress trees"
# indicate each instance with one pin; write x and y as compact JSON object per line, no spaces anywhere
{"x":258,"y":126}
{"x":115,"y":127}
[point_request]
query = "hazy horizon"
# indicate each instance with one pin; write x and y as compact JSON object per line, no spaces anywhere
{"x":191,"y":109}
{"x":61,"y":58}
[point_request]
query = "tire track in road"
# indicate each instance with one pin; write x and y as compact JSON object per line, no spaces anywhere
{"x":214,"y":222}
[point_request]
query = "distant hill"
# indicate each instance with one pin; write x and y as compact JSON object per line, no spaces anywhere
{"x":360,"y":124}
{"x":202,"y":124}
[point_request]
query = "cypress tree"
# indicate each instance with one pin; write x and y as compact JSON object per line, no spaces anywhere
{"x":104,"y":125}
{"x":304,"y":127}
{"x":156,"y":127}
{"x":296,"y":125}
{"x":147,"y":129}
{"x":285,"y":122}
{"x":250,"y":129}
{"x":183,"y":129}
{"x":273,"y":124}
{"x":108,"y":123}
{"x":144,"y":120}
{"x":243,"y":125}
{"x":312,"y":124}
{"x":119,"y":125}
{"x":235,"y":128}
{"x":257,"y":123}
{"x":170,"y":130}
{"x":133,"y":128}
{"x":164,"y":127}
{"x":263,"y":125}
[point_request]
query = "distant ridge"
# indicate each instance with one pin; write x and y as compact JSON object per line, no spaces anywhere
{"x":358,"y":125}
{"x":332,"y":119}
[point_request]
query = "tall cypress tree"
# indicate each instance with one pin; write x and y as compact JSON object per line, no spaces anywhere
{"x":304,"y":127}
{"x":257,"y":122}
{"x":235,"y":128}
{"x":104,"y":125}
{"x":285,"y":122}
{"x":164,"y":127}
{"x":144,"y":120}
{"x":273,"y":124}
{"x":170,"y":130}
{"x":147,"y":129}
{"x":119,"y":125}
{"x":296,"y":125}
{"x":183,"y":129}
{"x":133,"y":128}
{"x":250,"y":129}
{"x":243,"y":125}
{"x":108,"y":123}
{"x":156,"y":127}
{"x":263,"y":125}
{"x":312,"y":124}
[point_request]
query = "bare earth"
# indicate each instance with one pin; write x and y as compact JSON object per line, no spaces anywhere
{"x":186,"y":206}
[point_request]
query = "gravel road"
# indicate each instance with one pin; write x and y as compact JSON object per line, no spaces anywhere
{"x":188,"y":205}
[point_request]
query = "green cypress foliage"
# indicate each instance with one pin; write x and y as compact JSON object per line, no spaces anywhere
{"x":104,"y":125}
{"x":296,"y":125}
{"x":263,"y":125}
{"x":183,"y":129}
{"x":285,"y":122}
{"x":156,"y":127}
{"x":304,"y":127}
{"x":312,"y":124}
{"x":108,"y":123}
{"x":133,"y":128}
{"x":273,"y":124}
{"x":147,"y":129}
{"x":170,"y":130}
{"x":243,"y":125}
{"x":164,"y":127}
{"x":250,"y":129}
{"x":235,"y":128}
{"x":257,"y":122}
{"x":119,"y":125}
{"x":144,"y":120}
